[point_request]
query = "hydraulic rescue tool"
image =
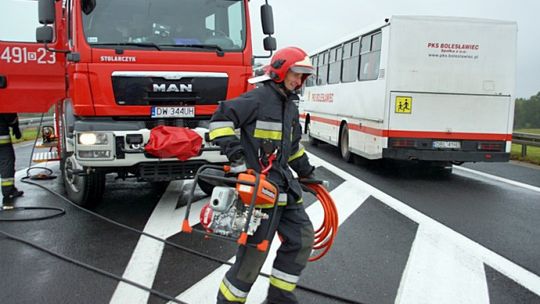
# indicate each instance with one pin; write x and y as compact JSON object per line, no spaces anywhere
{"x":235,"y":209}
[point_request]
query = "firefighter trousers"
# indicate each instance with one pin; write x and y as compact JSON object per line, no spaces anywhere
{"x":7,"y":169}
{"x":296,"y":233}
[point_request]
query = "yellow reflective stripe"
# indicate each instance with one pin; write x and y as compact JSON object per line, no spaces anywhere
{"x":265,"y":206}
{"x":229,"y":295}
{"x":301,"y":200}
{"x":7,"y":182}
{"x":265,"y":134}
{"x":281,"y":204}
{"x":5,"y":140}
{"x":226,"y":131}
{"x":283,"y":285}
{"x":298,"y":154}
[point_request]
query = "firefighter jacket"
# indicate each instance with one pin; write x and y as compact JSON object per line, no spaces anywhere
{"x":7,"y":121}
{"x":264,"y":115}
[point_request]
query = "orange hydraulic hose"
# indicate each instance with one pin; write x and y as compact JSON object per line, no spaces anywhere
{"x":326,"y":233}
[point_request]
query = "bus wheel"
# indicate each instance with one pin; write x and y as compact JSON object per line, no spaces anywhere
{"x":311,"y":140}
{"x":344,"y":144}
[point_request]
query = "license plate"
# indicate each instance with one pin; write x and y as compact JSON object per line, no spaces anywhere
{"x":446,"y":145}
{"x":172,"y":112}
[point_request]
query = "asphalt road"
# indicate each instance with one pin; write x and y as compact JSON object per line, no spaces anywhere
{"x":407,"y":235}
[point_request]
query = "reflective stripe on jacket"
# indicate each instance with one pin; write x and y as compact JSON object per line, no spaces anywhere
{"x":263,"y":114}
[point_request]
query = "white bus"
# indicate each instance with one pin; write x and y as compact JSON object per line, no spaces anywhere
{"x":436,"y":89}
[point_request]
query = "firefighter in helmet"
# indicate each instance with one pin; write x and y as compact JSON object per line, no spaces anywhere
{"x":268,"y":122}
{"x":7,"y":158}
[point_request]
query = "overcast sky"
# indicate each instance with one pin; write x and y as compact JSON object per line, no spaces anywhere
{"x":311,"y":24}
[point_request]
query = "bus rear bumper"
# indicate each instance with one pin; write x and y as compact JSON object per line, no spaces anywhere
{"x":442,"y":155}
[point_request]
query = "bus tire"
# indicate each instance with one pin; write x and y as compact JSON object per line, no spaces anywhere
{"x":344,"y":144}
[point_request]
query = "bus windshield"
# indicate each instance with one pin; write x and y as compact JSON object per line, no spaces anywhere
{"x":167,"y":24}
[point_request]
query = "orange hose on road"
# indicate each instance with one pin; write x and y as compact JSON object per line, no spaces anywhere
{"x":326,"y":233}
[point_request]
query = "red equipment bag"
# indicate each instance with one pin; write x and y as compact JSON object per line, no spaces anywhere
{"x":182,"y":143}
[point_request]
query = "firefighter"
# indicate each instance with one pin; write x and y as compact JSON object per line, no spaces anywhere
{"x":268,"y":122}
{"x":7,"y":158}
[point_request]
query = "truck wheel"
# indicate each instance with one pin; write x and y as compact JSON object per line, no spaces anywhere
{"x":344,"y":144}
{"x":311,"y":140}
{"x":84,"y":190}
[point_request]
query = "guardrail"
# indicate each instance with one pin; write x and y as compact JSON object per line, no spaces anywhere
{"x":34,"y":121}
{"x":526,"y":139}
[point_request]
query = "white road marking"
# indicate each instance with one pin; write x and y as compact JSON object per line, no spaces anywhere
{"x":347,"y":196}
{"x":438,"y":271}
{"x":497,"y":178}
{"x":433,"y":238}
{"x":143,"y":265}
{"x":510,"y":269}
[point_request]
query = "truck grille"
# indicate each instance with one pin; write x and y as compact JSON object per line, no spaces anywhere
{"x":152,"y":90}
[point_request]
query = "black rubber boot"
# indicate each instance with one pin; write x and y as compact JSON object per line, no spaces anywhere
{"x":7,"y":203}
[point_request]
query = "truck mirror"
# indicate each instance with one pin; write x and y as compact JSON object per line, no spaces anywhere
{"x":270,"y":43}
{"x":46,"y":11}
{"x":267,"y":19}
{"x":44,"y":34}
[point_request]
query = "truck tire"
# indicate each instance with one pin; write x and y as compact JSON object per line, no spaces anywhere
{"x":83,"y":190}
{"x":344,"y":144}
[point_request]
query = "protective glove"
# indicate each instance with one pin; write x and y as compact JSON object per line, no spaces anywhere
{"x":17,"y":132}
{"x":238,"y":163}
{"x":313,"y":179}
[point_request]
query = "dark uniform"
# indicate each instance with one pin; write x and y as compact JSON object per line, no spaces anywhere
{"x":267,"y":115}
{"x":7,"y":158}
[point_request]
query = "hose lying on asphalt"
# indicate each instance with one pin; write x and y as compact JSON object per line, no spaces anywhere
{"x":183,"y":248}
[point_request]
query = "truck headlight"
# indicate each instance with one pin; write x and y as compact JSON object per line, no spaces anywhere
{"x":90,"y":138}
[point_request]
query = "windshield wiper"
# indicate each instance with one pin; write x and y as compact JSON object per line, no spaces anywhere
{"x":216,"y":47}
{"x":141,"y":44}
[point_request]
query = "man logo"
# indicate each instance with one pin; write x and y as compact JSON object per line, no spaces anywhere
{"x":163,"y":87}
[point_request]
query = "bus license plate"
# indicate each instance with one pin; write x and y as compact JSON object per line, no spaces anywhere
{"x":172,"y":112}
{"x":446,"y":145}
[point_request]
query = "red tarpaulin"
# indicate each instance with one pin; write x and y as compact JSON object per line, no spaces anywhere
{"x":182,"y":143}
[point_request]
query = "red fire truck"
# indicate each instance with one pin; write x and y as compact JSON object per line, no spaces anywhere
{"x":115,"y":69}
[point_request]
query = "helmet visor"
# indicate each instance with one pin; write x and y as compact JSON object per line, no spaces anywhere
{"x":302,"y":69}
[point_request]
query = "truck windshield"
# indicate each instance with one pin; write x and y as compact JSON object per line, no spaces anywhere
{"x":166,"y":24}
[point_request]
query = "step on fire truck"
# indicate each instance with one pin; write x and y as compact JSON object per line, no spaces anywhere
{"x":115,"y":69}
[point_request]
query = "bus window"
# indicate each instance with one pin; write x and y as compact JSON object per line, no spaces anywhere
{"x":351,"y":50}
{"x":310,"y":81}
{"x":370,"y":55}
{"x":322,"y":71}
{"x":334,"y":71}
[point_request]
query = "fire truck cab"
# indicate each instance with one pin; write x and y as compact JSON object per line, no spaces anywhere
{"x":115,"y":69}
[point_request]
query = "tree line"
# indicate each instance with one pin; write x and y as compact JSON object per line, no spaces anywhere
{"x":527,"y":113}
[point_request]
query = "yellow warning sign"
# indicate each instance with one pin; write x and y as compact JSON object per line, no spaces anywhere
{"x":404,"y":104}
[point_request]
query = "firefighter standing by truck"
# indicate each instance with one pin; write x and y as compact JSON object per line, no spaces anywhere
{"x":7,"y":158}
{"x":268,"y":120}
